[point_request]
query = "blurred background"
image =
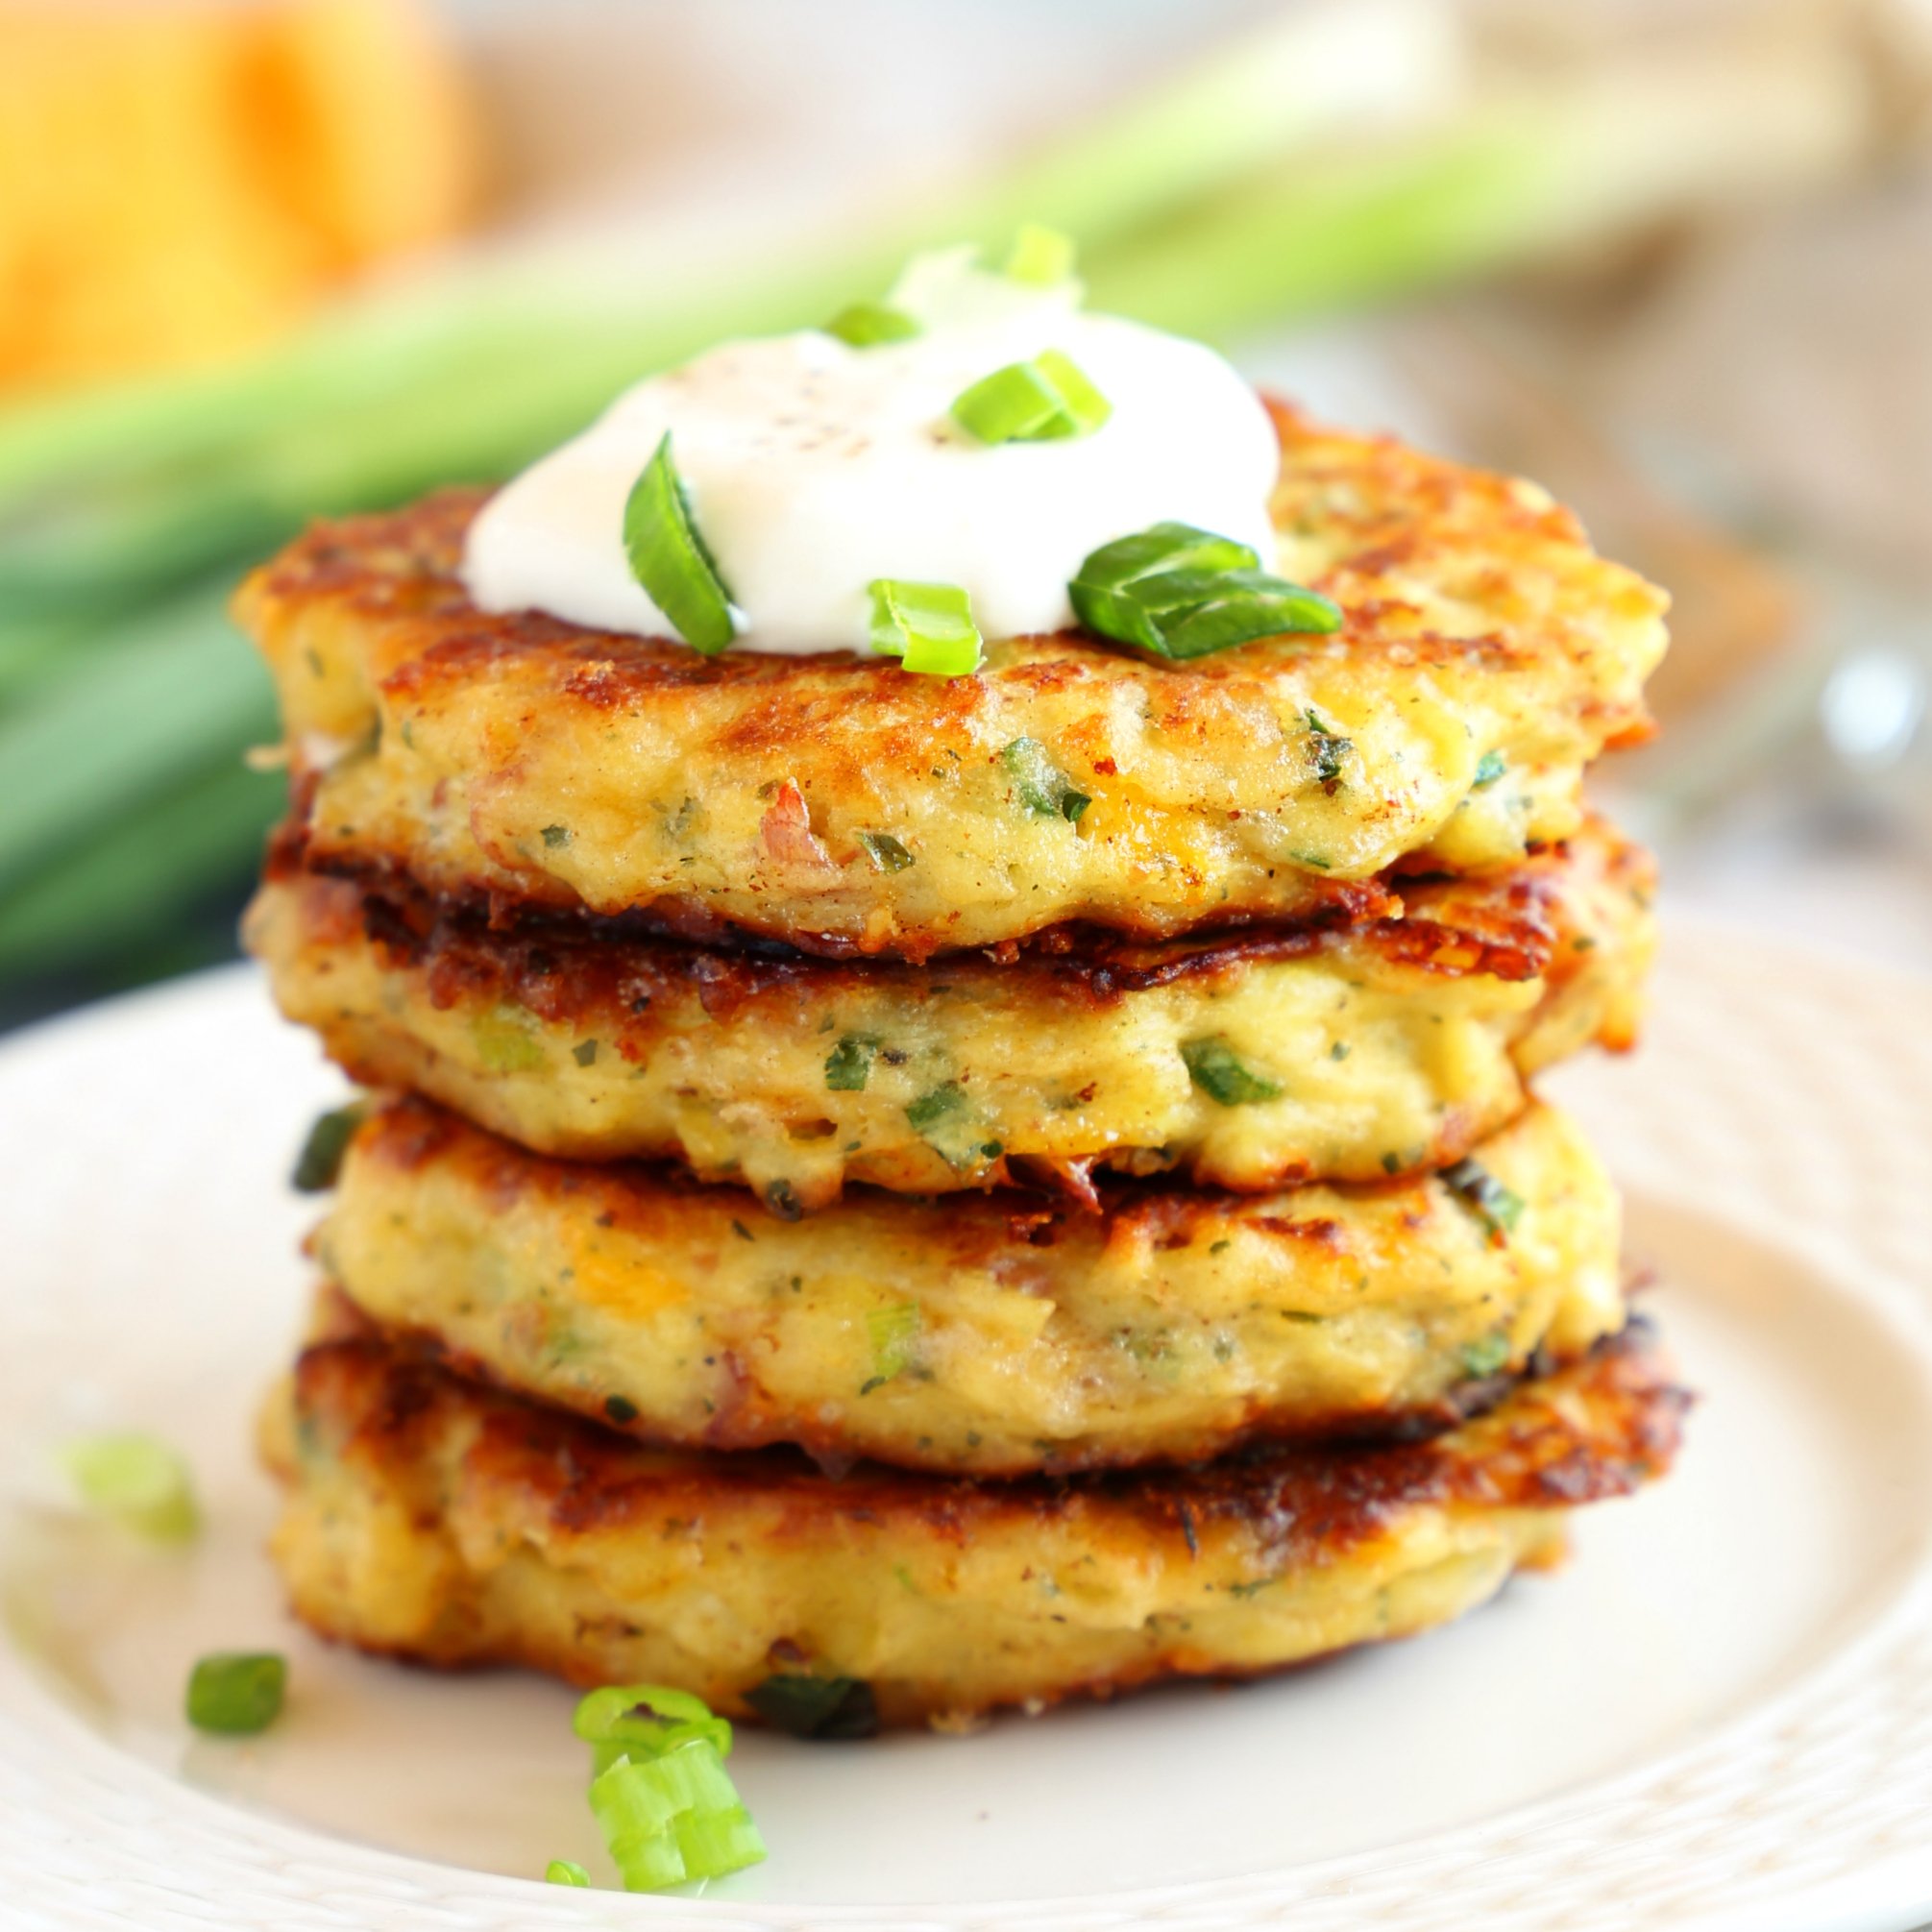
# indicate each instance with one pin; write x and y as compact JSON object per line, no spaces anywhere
{"x":261,"y":262}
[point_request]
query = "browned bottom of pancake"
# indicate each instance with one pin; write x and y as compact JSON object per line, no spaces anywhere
{"x":432,"y":1519}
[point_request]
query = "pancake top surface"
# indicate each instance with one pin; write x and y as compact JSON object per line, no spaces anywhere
{"x":844,"y":805}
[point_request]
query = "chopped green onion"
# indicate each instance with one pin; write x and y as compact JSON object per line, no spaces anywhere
{"x":886,"y":852}
{"x":1223,"y":1076}
{"x":659,"y":1790}
{"x":894,"y":1334}
{"x":849,"y":1065}
{"x":505,"y":1040}
{"x":236,"y":1693}
{"x":931,"y":1107}
{"x":564,"y":1872}
{"x":1489,"y":767}
{"x":1158,"y":548}
{"x":1329,"y":747}
{"x":1042,"y":401}
{"x":646,"y":1720}
{"x":927,"y":626}
{"x":1040,"y":784}
{"x":136,"y":1479}
{"x":668,"y":558}
{"x":1183,"y":592}
{"x":1330,"y":753}
{"x":1486,"y":1356}
{"x":817,"y":1708}
{"x":865,"y":325}
{"x":1039,"y":256}
{"x":946,"y":1120}
{"x":673,"y":1818}
{"x":1495,"y":1207}
{"x":319,"y":1160}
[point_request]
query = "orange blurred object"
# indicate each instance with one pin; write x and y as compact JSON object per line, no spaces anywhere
{"x":178,"y":180}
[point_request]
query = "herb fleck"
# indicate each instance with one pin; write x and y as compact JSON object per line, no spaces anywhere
{"x":894,"y":1333}
{"x":584,"y":1053}
{"x":929,"y":1109}
{"x":1485,"y":1355}
{"x":1223,"y":1076}
{"x":1040,"y":784}
{"x":849,"y":1065}
{"x":886,"y":852}
{"x":505,"y":1040}
{"x":555,"y":835}
{"x":1495,"y":1207}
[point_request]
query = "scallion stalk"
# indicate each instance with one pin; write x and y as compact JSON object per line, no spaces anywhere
{"x":236,"y":1693}
{"x":138,"y":1481}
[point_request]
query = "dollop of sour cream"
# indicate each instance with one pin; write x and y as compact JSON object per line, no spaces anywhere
{"x":812,"y":467}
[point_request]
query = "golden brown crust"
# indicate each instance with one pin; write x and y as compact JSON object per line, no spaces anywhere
{"x":525,"y":762}
{"x":1393,"y":1044}
{"x":435,"y":1519}
{"x":988,"y":1335}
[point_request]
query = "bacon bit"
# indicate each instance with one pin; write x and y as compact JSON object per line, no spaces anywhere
{"x":787,"y":831}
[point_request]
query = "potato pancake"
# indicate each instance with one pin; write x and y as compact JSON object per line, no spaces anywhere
{"x":1343,"y":1054}
{"x":989,"y":1335}
{"x":843,"y":806}
{"x":432,"y":1519}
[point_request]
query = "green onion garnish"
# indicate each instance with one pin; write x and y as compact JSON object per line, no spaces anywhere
{"x":136,"y":1479}
{"x":1040,"y":784}
{"x":894,"y":1334}
{"x":667,"y":557}
{"x":319,"y":1160}
{"x":817,"y":1708}
{"x":646,"y":1720}
{"x":1039,"y":256}
{"x":927,"y":626}
{"x":1330,"y":756}
{"x":1486,"y":1356}
{"x":1181,"y":592}
{"x":886,"y":852}
{"x":1489,"y":767}
{"x":564,"y":1872}
{"x":1223,"y":1076}
{"x":849,"y":1065}
{"x":1037,"y":402}
{"x":933,"y":1106}
{"x":236,"y":1693}
{"x":670,"y":1819}
{"x":1496,"y":1209}
{"x":659,"y":1790}
{"x":865,"y":325}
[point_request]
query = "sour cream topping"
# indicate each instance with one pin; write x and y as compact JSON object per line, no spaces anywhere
{"x":813,"y":468}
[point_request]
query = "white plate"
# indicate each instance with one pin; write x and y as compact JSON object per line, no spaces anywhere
{"x":1718,"y":1715}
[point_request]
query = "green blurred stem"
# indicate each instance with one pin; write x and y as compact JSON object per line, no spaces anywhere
{"x":1279,"y":90}
{"x":161,"y":699}
{"x":142,"y":874}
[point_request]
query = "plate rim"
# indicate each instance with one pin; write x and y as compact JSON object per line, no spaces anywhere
{"x":35,"y":1723}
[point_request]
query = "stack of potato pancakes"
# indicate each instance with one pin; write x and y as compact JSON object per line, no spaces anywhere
{"x":889,"y":1196}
